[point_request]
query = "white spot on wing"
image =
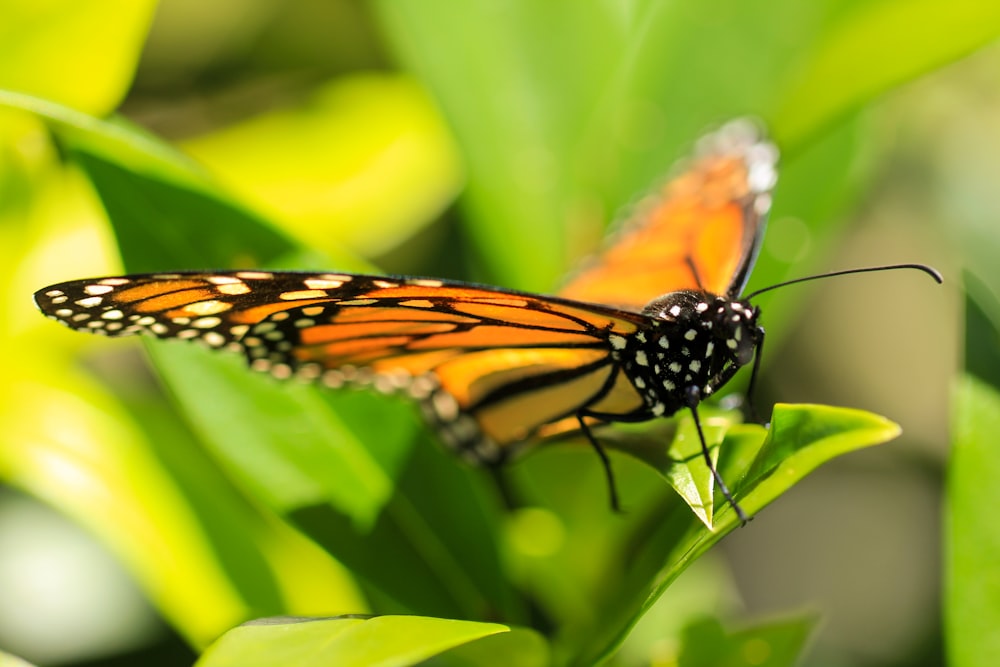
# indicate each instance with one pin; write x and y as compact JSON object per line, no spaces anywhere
{"x":210,"y":307}
{"x":233,"y":289}
{"x":206,"y":322}
{"x":214,"y":338}
{"x":445,"y":406}
{"x":322,"y":283}
{"x":302,"y":294}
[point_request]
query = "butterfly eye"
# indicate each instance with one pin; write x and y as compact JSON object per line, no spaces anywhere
{"x":746,"y":345}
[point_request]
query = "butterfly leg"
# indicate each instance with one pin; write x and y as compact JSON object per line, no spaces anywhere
{"x":693,"y":399}
{"x":753,"y":375}
{"x":605,"y":461}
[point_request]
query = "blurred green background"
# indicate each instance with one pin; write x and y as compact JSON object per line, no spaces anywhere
{"x":487,"y":140}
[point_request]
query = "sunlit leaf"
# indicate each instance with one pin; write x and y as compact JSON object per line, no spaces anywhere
{"x":519,"y":646}
{"x":856,"y":57}
{"x":800,"y":438}
{"x":383,"y":641}
{"x":363,"y":164}
{"x":82,"y":54}
{"x":8,"y":660}
{"x":212,"y":556}
{"x":972,"y":535}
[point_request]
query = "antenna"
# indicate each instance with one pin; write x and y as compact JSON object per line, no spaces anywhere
{"x":932,"y":272}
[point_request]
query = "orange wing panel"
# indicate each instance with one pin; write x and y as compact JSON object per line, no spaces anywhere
{"x":700,"y":231}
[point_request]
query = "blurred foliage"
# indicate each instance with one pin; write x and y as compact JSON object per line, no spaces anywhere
{"x":517,"y":133}
{"x":972,"y":585}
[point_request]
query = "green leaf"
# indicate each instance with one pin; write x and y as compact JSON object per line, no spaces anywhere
{"x":517,"y":99}
{"x":383,"y":641}
{"x":682,"y":464}
{"x":156,"y":219}
{"x":8,"y":660}
{"x":429,"y":552}
{"x":114,"y":140}
{"x":982,"y":329}
{"x":867,"y":48}
{"x":204,"y":554}
{"x":801,"y":437}
{"x":82,"y":54}
{"x":363,"y":164}
{"x":972,"y":534}
{"x":519,"y":646}
{"x":286,"y":441}
{"x":773,"y":644}
{"x":689,"y":474}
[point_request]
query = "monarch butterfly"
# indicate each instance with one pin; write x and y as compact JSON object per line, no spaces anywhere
{"x":652,"y":325}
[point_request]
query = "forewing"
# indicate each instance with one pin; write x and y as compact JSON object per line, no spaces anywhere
{"x":490,"y":366}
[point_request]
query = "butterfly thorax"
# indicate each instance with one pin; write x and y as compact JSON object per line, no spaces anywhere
{"x":694,"y":340}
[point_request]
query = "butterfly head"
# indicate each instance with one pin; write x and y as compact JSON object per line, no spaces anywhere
{"x":726,"y":328}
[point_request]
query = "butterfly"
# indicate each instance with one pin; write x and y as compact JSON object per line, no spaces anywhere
{"x":651,"y":325}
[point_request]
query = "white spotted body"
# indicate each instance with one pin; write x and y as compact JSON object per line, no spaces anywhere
{"x":695,"y":343}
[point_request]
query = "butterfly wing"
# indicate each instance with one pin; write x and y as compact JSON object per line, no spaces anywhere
{"x":491,"y":367}
{"x":699,"y":231}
